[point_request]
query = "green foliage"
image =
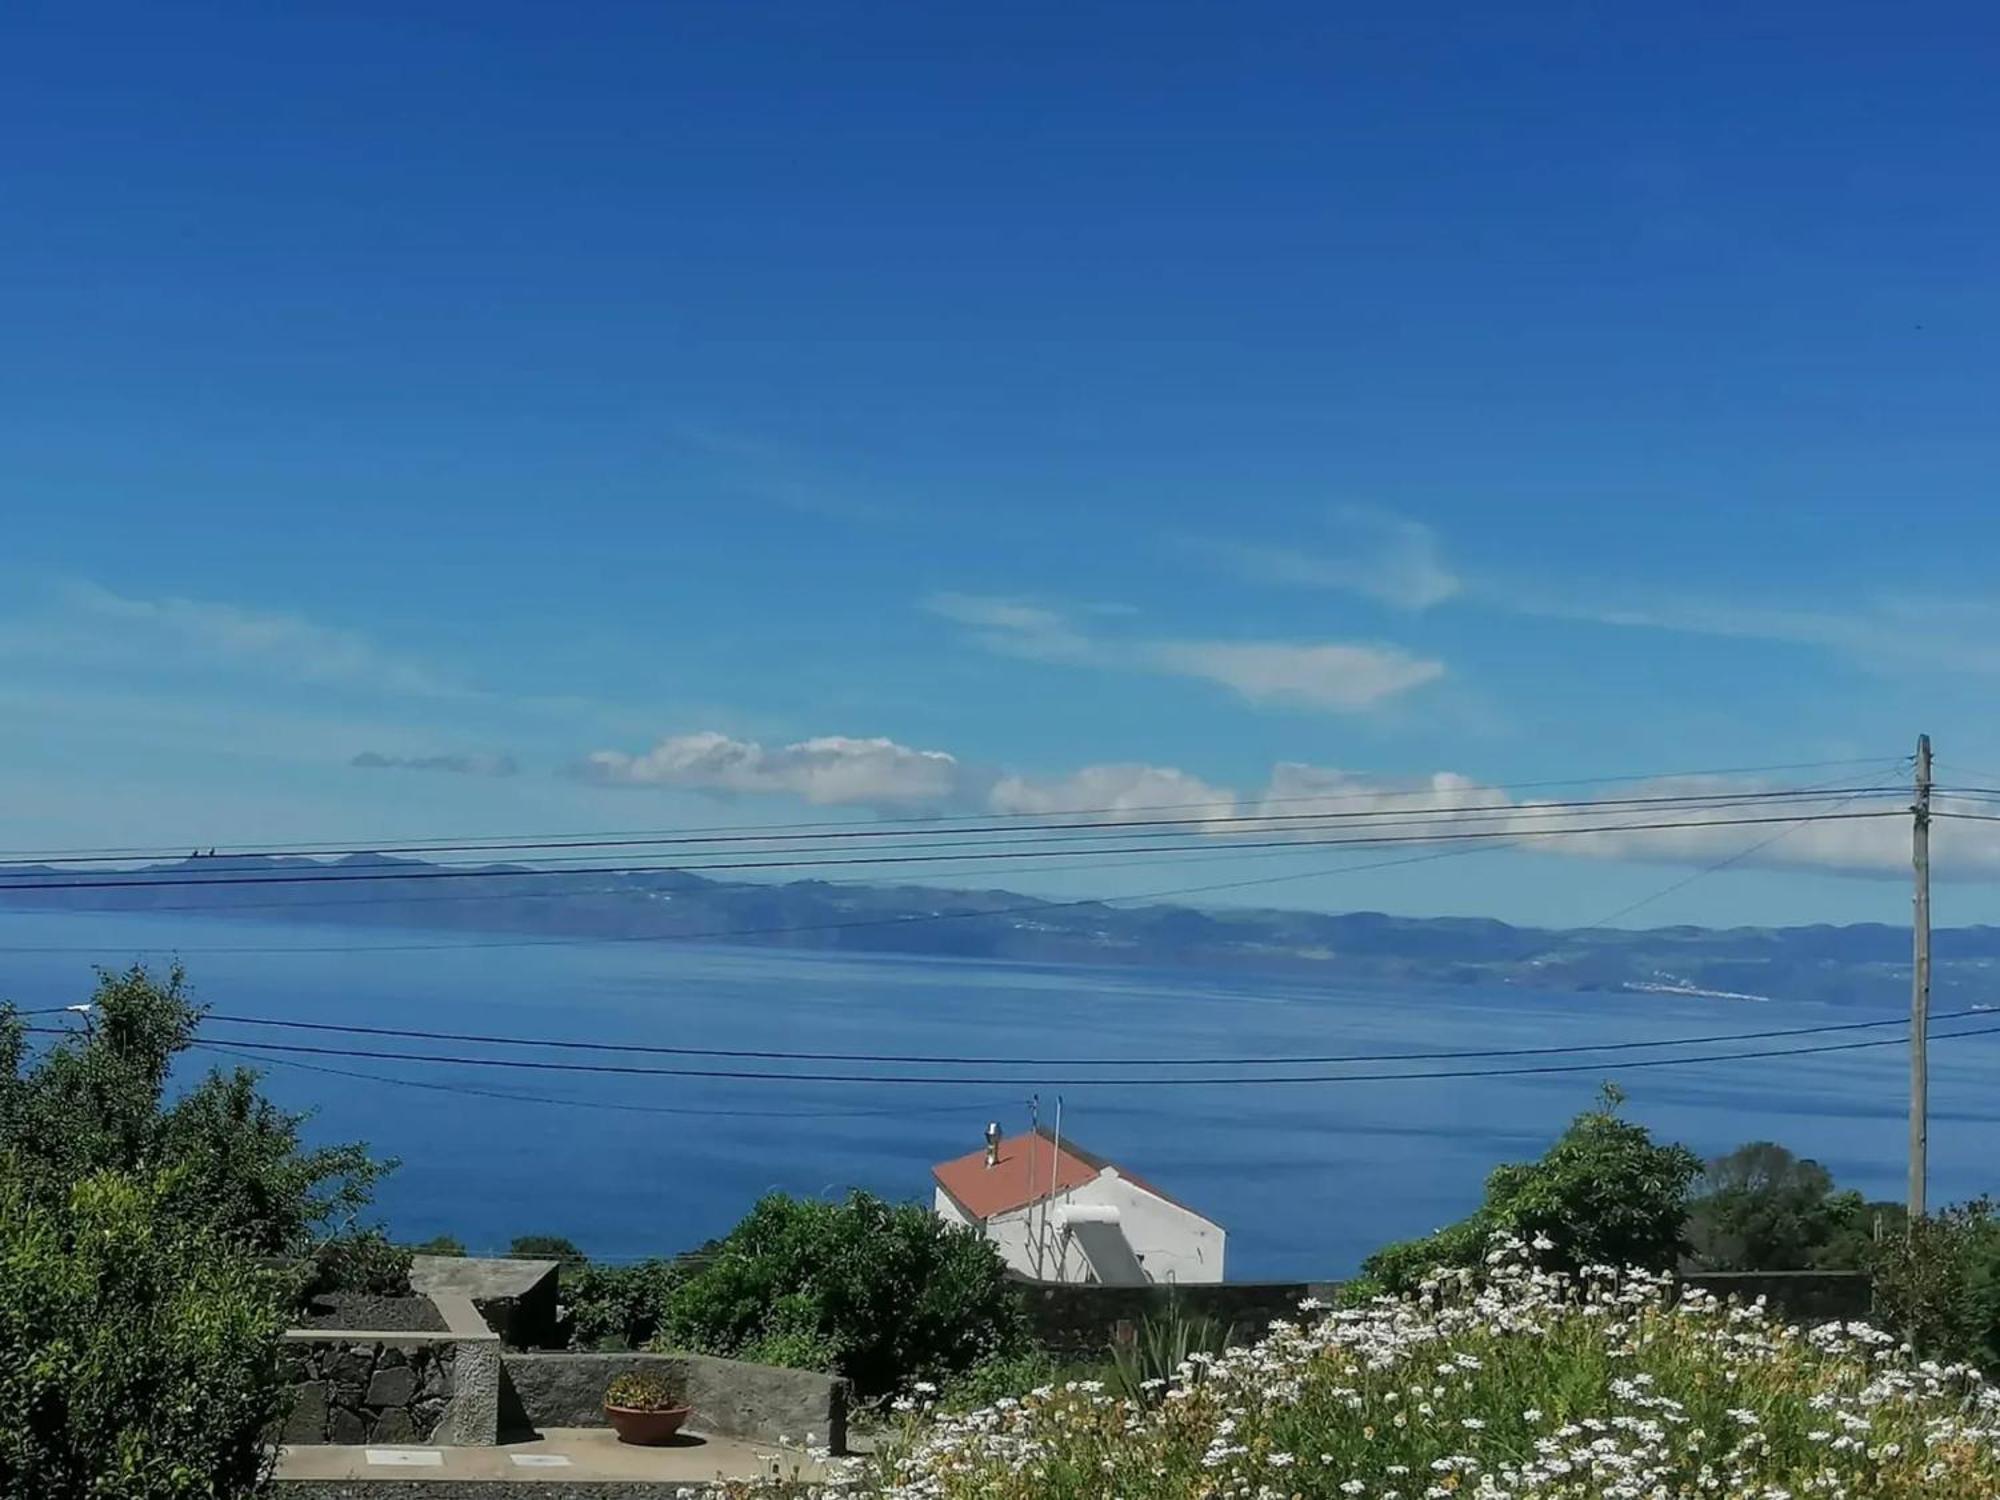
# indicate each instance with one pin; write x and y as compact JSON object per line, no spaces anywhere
{"x":891,"y":1294}
{"x":138,"y":1350}
{"x":361,"y":1261}
{"x":1760,"y":1208}
{"x":1142,"y":1365}
{"x":1001,"y":1376}
{"x":1605,"y":1194}
{"x":547,"y":1247}
{"x":1938,"y":1283}
{"x":617,"y":1307}
{"x":441,"y":1244}
{"x":645,"y":1390}
{"x":97,"y":1104}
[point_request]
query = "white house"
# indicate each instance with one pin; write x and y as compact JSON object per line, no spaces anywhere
{"x":1060,"y":1213}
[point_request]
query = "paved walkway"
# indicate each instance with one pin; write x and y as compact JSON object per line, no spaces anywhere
{"x":578,"y":1455}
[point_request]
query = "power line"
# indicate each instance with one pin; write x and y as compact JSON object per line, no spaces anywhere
{"x":1068,"y":824}
{"x":615,"y":1105}
{"x":909,"y":1059}
{"x":431,"y":873}
{"x":721,"y":934}
{"x":334,"y":846}
{"x":873,"y":1079}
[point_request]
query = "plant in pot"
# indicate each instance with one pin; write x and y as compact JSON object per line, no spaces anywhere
{"x":645,"y":1407}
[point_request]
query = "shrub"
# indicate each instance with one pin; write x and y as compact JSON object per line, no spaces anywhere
{"x":138,"y":1351}
{"x":441,"y":1244}
{"x":1937,"y":1283}
{"x":1760,"y":1208}
{"x":892,"y":1293}
{"x":1605,"y":1194}
{"x":1003,"y":1376}
{"x":363,"y":1262}
{"x":547,"y":1247}
{"x":617,"y":1307}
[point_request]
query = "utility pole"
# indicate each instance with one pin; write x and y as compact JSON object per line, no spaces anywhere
{"x":1920,"y":983}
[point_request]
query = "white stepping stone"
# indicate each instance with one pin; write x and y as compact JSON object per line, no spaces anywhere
{"x":540,"y":1460}
{"x":406,"y":1458}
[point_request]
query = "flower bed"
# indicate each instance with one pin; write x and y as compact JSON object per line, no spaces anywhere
{"x":1511,"y":1383}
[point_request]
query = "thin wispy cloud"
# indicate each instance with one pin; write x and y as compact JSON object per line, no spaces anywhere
{"x":459,"y":765}
{"x":93,"y":624}
{"x":1353,"y":549}
{"x":1326,"y":676}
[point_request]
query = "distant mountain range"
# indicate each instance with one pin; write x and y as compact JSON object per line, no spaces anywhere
{"x":1867,"y":962}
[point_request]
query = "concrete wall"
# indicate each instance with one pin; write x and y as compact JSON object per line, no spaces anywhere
{"x":517,"y":1298}
{"x":1174,"y":1244}
{"x":730,"y":1398}
{"x":361,"y":1386}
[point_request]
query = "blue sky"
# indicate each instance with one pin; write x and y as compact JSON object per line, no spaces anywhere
{"x":1084,"y":393}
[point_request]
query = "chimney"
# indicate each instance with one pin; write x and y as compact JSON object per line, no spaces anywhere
{"x":992,"y":1143}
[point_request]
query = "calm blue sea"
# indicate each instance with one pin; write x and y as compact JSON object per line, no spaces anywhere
{"x":1307,"y":1178}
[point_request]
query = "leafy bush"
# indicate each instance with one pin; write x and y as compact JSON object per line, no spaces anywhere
{"x":1004,"y":1376}
{"x":547,"y":1247}
{"x":645,"y":1390}
{"x":138,"y":1351}
{"x":1604,"y":1194}
{"x":617,"y":1307}
{"x":1512,"y":1383}
{"x":1937,"y":1283}
{"x":892,"y":1294}
{"x":364,"y":1261}
{"x":441,"y":1244}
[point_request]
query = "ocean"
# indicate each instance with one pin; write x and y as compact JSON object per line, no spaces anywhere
{"x":1307,"y":1178}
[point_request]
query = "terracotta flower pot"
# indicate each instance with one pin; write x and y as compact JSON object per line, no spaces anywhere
{"x":647,"y":1429}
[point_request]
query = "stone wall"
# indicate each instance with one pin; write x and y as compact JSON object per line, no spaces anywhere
{"x":730,"y":1398}
{"x":368,"y":1392}
{"x":354,"y":1386}
{"x":1081,"y":1321}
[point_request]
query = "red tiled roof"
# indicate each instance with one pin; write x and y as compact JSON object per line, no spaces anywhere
{"x":1030,"y":1169}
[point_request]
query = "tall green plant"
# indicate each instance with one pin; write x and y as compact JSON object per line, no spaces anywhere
{"x":1160,"y":1349}
{"x":138,"y":1350}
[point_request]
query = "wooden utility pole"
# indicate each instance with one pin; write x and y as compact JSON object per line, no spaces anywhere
{"x":1920,"y":983}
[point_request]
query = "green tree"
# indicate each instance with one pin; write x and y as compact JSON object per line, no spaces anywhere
{"x":138,"y":1350}
{"x":1606,"y":1193}
{"x":883,"y":1294}
{"x":97,"y":1104}
{"x":1760,"y":1208}
{"x":547,"y":1247}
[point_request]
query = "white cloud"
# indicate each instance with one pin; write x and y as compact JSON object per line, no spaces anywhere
{"x":1015,"y":627}
{"x":1336,"y":676}
{"x":96,"y":622}
{"x":478,"y":764}
{"x":1340,"y":676}
{"x":1129,"y":789}
{"x":829,"y":770}
{"x":1374,"y":554}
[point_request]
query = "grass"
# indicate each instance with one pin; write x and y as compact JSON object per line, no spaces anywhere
{"x":1508,"y":1382}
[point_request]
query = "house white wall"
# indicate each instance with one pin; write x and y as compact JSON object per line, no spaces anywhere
{"x":1174,"y":1244}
